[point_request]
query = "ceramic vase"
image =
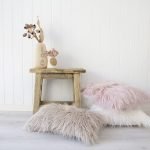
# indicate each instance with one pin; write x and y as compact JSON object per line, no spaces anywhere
{"x":40,"y":56}
{"x":52,"y":62}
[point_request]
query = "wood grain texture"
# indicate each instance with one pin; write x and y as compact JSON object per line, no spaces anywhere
{"x":43,"y":102}
{"x":76,"y":85}
{"x":58,"y":70}
{"x":38,"y":92}
{"x":57,"y":76}
{"x":41,"y":74}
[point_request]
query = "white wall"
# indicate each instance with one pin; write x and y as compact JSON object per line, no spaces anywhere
{"x":109,"y":38}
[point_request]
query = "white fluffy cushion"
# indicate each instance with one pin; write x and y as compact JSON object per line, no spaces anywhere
{"x":66,"y":120}
{"x":123,"y":118}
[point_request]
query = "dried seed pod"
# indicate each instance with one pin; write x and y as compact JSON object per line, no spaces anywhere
{"x":25,"y":34}
{"x":34,"y":26}
{"x":30,"y":30}
{"x":50,"y":53}
{"x":26,"y":26}
{"x":29,"y":36}
{"x":55,"y":53}
{"x":34,"y":34}
{"x":37,"y":31}
{"x":31,"y":25}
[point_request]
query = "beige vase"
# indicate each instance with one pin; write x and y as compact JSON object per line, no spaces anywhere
{"x":40,"y":57}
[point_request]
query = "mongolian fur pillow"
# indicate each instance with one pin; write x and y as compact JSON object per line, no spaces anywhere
{"x":115,"y":96}
{"x":67,"y":120}
{"x":135,"y":117}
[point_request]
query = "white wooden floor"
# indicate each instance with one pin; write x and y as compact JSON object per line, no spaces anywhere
{"x":12,"y":137}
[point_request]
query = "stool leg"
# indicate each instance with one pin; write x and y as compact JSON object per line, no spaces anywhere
{"x":76,"y":84}
{"x":37,"y":92}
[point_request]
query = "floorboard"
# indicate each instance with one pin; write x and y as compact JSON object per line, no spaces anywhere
{"x":13,"y":137}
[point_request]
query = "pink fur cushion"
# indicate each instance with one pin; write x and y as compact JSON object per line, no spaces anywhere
{"x":115,"y":96}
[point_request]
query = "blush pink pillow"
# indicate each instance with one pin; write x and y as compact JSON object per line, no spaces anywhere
{"x":115,"y":96}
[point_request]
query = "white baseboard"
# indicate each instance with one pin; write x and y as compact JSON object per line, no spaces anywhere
{"x":15,"y":108}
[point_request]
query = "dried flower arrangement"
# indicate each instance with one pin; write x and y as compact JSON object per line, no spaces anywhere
{"x":53,"y":53}
{"x":34,"y":31}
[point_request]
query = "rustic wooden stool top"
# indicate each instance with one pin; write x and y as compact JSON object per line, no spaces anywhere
{"x":50,"y":73}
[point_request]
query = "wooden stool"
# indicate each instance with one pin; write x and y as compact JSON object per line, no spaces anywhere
{"x":50,"y":73}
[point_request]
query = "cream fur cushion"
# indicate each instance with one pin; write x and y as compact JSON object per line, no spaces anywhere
{"x":123,"y":118}
{"x":67,"y":120}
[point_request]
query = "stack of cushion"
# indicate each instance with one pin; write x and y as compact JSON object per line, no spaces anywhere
{"x":118,"y":103}
{"x":110,"y":103}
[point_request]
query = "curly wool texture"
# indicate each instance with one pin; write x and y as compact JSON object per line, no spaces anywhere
{"x":115,"y":96}
{"x":135,"y":117}
{"x":66,"y":120}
